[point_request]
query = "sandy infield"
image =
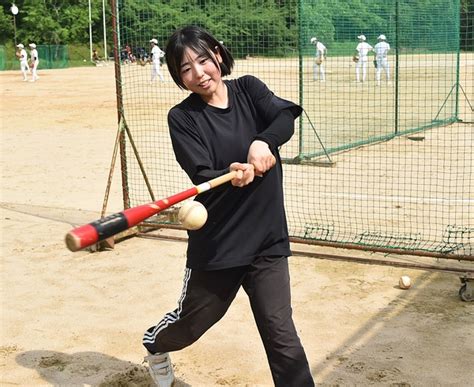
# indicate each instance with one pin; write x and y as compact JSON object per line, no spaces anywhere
{"x":76,"y":319}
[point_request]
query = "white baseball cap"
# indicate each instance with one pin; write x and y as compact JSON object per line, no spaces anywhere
{"x":32,"y":45}
{"x":154,"y":41}
{"x":382,"y":37}
{"x":20,"y":45}
{"x":361,"y":37}
{"x":313,"y":39}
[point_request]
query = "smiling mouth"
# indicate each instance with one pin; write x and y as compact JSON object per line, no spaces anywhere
{"x":205,"y":83}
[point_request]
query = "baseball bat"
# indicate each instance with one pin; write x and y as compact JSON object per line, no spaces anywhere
{"x":84,"y":236}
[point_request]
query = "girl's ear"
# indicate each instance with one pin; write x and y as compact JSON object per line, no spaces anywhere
{"x":217,"y":52}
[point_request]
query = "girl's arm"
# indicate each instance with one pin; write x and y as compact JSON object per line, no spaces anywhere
{"x":262,"y":149}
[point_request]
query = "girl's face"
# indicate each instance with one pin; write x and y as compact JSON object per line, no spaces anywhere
{"x":200,"y":74}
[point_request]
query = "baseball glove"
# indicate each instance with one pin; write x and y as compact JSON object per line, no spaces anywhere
{"x":355,"y":58}
{"x":318,"y":60}
{"x":375,"y":63}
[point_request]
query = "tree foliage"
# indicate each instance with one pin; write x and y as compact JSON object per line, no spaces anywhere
{"x":267,"y":26}
{"x":52,"y":21}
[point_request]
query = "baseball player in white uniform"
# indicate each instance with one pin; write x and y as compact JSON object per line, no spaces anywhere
{"x":34,"y":59}
{"x":381,"y":50}
{"x":363,"y":49}
{"x":156,"y":55}
{"x":23,"y":58}
{"x":320,"y":57}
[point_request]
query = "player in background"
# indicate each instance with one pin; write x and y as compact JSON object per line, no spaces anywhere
{"x":96,"y":58}
{"x":23,"y":58}
{"x":230,"y":125}
{"x":34,"y":61}
{"x":156,"y":55}
{"x":381,"y":50}
{"x":142,"y":56}
{"x":362,"y":51}
{"x":319,"y":59}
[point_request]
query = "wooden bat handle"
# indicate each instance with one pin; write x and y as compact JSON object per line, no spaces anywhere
{"x":84,"y":236}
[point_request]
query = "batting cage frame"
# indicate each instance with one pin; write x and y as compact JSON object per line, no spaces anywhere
{"x":381,"y":158}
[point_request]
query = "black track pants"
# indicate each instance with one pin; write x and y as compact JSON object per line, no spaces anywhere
{"x":206,"y":297}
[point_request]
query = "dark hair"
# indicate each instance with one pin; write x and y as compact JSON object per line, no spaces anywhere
{"x":201,"y":42}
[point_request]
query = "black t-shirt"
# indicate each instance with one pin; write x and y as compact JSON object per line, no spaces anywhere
{"x":243,"y":223}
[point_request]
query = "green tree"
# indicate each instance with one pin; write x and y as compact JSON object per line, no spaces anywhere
{"x":52,"y":21}
{"x":255,"y":27}
{"x":6,"y":25}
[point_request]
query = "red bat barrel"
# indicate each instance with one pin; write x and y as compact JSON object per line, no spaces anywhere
{"x":89,"y":234}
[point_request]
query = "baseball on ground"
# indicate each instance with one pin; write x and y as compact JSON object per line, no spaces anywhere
{"x":192,"y":215}
{"x":404,"y":282}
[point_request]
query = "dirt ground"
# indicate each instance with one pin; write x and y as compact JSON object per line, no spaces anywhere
{"x":76,"y":319}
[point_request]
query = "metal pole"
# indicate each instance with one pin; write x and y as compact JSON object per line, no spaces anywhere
{"x":118,"y":90}
{"x":300,"y":76}
{"x":458,"y":58}
{"x":90,"y":31}
{"x":106,"y":55}
{"x":14,"y":11}
{"x":397,"y":64}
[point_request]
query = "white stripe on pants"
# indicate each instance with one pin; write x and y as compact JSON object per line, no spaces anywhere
{"x":205,"y":299}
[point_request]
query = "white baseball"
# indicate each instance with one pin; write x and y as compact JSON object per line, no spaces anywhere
{"x":404,"y":282}
{"x":192,"y":215}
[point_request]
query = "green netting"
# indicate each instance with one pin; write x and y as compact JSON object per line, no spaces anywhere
{"x":2,"y":58}
{"x":423,"y":70}
{"x":51,"y":57}
{"x":399,"y":164}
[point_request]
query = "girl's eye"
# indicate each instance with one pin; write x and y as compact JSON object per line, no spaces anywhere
{"x":185,"y":70}
{"x":203,"y":61}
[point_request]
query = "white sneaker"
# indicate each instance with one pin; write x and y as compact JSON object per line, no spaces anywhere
{"x":161,"y":369}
